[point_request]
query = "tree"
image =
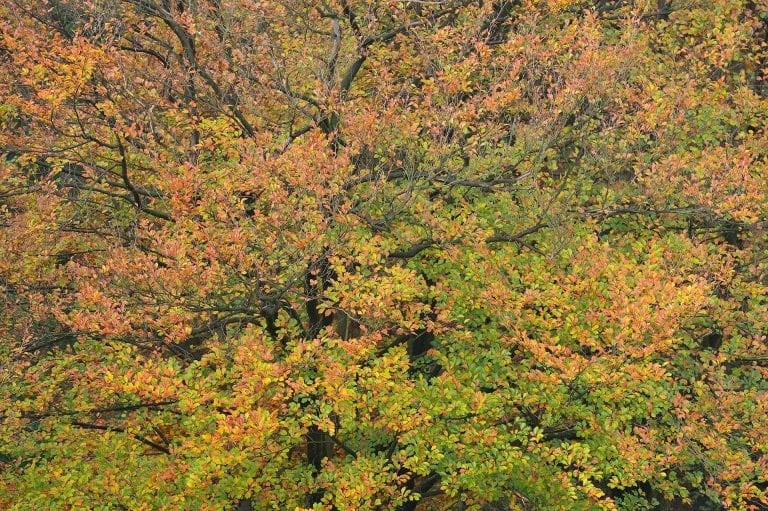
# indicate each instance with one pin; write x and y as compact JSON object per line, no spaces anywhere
{"x":362,"y":255}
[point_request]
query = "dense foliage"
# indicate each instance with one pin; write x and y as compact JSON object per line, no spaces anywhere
{"x":384,"y":255}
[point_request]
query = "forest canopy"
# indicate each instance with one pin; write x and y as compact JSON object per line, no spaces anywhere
{"x":379,"y":255}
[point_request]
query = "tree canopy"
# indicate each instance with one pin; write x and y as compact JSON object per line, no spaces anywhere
{"x":384,"y":255}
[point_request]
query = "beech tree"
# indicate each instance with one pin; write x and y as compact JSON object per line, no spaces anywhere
{"x":384,"y":255}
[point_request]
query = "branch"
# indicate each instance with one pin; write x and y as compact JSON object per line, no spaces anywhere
{"x":419,"y":247}
{"x":124,"y":172}
{"x":354,"y":68}
{"x":143,"y":440}
{"x":188,"y":46}
{"x":116,"y":408}
{"x":742,"y":361}
{"x":344,"y":446}
{"x":407,"y":253}
{"x":516,"y":237}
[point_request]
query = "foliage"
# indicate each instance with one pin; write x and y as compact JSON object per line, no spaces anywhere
{"x":383,"y":255}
